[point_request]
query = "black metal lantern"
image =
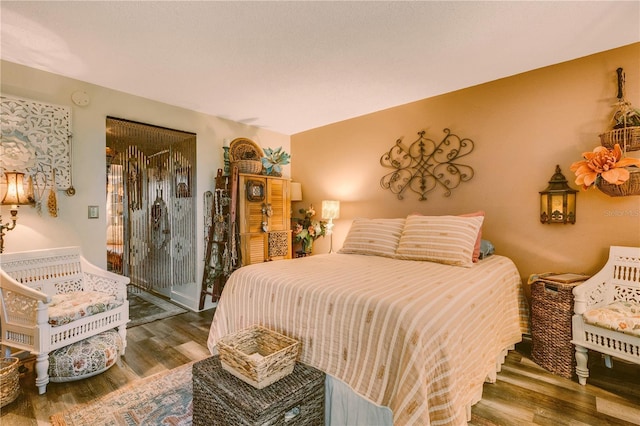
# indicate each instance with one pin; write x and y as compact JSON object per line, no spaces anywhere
{"x":558,"y":201}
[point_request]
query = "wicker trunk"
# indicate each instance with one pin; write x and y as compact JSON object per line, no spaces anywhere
{"x":551,"y":312}
{"x":219,"y":398}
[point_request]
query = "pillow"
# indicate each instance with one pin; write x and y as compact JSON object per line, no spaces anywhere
{"x":443,"y":239}
{"x":476,"y":248}
{"x":375,"y":237}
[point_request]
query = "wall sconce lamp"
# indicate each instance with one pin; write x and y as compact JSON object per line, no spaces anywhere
{"x":558,"y":201}
{"x":15,"y":196}
{"x":330,"y":211}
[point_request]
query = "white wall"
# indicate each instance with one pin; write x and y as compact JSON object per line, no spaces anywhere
{"x":72,"y":227}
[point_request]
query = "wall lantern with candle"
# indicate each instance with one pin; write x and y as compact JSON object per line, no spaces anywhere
{"x":558,"y":201}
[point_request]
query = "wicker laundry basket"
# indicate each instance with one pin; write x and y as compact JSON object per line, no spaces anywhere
{"x":551,"y":332}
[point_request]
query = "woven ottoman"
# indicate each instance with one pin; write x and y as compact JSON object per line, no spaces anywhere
{"x":85,"y":358}
{"x":219,"y":398}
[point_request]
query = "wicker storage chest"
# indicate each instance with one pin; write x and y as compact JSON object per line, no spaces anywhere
{"x":219,"y":398}
{"x":551,"y":312}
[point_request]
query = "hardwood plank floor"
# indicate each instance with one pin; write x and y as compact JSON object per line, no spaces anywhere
{"x":524,"y":394}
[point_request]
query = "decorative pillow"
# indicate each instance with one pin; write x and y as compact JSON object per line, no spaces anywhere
{"x":375,"y":237}
{"x":443,"y":239}
{"x":67,"y":307}
{"x":85,"y":358}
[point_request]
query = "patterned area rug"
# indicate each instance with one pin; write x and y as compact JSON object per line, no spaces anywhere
{"x":144,"y":307}
{"x":162,"y":399}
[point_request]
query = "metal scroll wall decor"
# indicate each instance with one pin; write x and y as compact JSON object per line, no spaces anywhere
{"x":36,"y":140}
{"x":426,"y":165}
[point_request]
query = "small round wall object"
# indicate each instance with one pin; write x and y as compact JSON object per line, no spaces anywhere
{"x":80,"y":98}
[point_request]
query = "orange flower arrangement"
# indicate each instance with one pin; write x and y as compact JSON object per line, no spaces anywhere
{"x":604,"y":162}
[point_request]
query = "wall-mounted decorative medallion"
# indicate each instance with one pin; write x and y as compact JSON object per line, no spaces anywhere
{"x":426,"y":165}
{"x":36,"y":140}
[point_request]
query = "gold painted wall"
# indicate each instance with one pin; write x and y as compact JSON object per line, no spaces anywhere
{"x":522,"y":126}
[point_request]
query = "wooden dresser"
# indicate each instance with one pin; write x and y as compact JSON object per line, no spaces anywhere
{"x":264,"y":218}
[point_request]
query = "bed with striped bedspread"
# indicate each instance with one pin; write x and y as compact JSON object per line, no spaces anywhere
{"x":417,"y":337}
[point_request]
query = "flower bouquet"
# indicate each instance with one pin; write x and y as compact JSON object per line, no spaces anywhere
{"x":609,"y":170}
{"x":307,"y":230}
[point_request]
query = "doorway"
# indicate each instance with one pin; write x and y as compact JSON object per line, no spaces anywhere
{"x":151,"y":226}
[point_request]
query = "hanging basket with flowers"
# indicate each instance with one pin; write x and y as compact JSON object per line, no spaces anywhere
{"x":626,"y":122}
{"x":609,"y":171}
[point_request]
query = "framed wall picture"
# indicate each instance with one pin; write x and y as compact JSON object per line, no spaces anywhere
{"x":255,"y":190}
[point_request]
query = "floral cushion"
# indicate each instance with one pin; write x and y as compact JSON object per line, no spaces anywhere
{"x":618,"y":316}
{"x":67,"y":307}
{"x":85,"y":358}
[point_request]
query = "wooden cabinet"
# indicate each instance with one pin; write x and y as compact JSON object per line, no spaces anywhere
{"x":264,"y":218}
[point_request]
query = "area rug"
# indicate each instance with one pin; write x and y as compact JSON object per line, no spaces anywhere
{"x":145,"y":307}
{"x":162,"y":399}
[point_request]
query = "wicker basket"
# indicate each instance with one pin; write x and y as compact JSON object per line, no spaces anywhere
{"x":258,"y":356}
{"x":551,"y":332}
{"x":248,"y":166}
{"x":9,"y":380}
{"x":220,"y":399}
{"x":246,"y":155}
{"x":630,"y":187}
{"x":628,"y":138}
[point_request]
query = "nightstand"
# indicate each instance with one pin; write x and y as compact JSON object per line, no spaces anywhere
{"x":551,"y":312}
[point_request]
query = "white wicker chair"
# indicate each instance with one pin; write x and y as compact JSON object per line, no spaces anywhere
{"x":29,"y":279}
{"x":618,"y":280}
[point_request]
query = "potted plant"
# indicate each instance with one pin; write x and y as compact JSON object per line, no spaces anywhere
{"x":273,"y":161}
{"x":307,"y":230}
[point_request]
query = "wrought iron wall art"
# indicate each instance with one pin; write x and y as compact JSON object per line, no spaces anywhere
{"x":36,"y":140}
{"x":426,"y":165}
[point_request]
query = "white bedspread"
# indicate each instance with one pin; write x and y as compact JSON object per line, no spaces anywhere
{"x":418,"y":337}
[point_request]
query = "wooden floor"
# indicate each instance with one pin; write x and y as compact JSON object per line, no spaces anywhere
{"x":524,"y":394}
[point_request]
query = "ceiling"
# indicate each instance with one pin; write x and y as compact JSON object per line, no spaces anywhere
{"x":294,"y":66}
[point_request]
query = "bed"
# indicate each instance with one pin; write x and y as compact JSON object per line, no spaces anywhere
{"x":418,"y":337}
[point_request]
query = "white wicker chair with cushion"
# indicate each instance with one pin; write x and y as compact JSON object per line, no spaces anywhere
{"x":53,"y":298}
{"x":607,"y":311}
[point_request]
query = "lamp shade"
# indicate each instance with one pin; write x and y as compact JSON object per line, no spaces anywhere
{"x":296,"y":191}
{"x":330,"y":209}
{"x":16,"y":194}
